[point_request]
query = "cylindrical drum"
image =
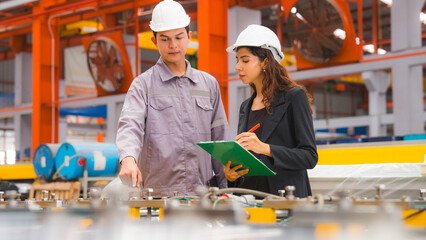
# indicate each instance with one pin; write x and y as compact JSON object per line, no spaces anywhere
{"x":44,"y":160}
{"x":102,"y":159}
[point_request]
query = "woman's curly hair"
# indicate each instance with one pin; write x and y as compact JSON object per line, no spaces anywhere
{"x":276,"y":78}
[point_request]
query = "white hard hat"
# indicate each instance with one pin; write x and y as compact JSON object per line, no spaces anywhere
{"x":168,"y":15}
{"x":259,"y":36}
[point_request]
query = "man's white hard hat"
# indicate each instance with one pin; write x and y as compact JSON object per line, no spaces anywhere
{"x":259,"y":36}
{"x":168,"y":15}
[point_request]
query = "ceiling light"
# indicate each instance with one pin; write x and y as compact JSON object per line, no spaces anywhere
{"x":340,"y":33}
{"x":369,"y":48}
{"x":381,"y":51}
{"x":387,"y":2}
{"x":300,"y":16}
{"x":423,"y":17}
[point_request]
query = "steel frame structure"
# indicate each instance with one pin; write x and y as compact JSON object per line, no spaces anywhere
{"x":44,"y":22}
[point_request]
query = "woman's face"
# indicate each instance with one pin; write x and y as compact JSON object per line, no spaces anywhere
{"x":249,"y":68}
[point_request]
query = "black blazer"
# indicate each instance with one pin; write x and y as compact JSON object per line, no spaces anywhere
{"x":290,"y":134}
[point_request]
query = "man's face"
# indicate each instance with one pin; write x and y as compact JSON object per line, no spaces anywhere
{"x":172,"y":44}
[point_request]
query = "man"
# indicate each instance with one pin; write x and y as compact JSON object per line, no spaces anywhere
{"x":167,"y":110}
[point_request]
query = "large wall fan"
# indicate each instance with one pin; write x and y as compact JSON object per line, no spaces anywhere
{"x":105,"y":64}
{"x":108,"y":63}
{"x":321,"y":32}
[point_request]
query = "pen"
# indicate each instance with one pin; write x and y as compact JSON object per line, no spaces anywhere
{"x":253,"y":129}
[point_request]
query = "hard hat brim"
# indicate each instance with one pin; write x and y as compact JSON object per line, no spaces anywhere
{"x":234,"y":47}
{"x":162,"y":29}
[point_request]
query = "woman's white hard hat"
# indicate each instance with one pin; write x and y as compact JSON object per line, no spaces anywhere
{"x":168,"y":15}
{"x":259,"y":36}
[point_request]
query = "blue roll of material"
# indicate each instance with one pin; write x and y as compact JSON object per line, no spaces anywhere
{"x":350,"y":140}
{"x":44,"y":160}
{"x":415,"y":137}
{"x":102,"y":159}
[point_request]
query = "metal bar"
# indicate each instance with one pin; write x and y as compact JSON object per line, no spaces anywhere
{"x":15,"y":31}
{"x":136,"y":38}
{"x":409,"y":57}
{"x":279,"y":23}
{"x":374,"y":25}
{"x":360,"y":30}
{"x":29,"y":18}
{"x":212,"y":41}
{"x":45,"y":113}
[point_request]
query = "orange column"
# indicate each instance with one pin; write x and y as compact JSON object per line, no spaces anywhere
{"x":213,"y":40}
{"x":374,"y":24}
{"x":136,"y":11}
{"x":360,"y":30}
{"x":45,"y":90}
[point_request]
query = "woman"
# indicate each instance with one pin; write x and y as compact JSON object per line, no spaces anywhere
{"x":285,"y":140}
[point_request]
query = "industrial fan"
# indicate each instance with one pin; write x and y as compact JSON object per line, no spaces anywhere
{"x":105,"y":64}
{"x":108,"y":63}
{"x":321,"y":32}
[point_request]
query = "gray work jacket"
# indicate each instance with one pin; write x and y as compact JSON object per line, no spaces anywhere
{"x":162,"y":119}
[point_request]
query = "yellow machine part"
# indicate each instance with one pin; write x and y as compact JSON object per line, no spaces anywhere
{"x":261,"y":215}
{"x":85,"y":223}
{"x":81,"y":27}
{"x":134,"y":213}
{"x":161,"y":213}
{"x":17,"y":172}
{"x":327,"y":231}
{"x":352,"y":79}
{"x":372,"y":155}
{"x":146,"y":43}
{"x":417,"y":221}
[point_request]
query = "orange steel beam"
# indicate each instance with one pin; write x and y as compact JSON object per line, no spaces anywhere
{"x":5,"y":55}
{"x":17,"y":31}
{"x":374,"y":25}
{"x":280,"y":23}
{"x":395,"y":56}
{"x":12,"y":110}
{"x":18,"y":43}
{"x":135,"y":12}
{"x":213,"y":40}
{"x":101,"y":9}
{"x":45,"y":113}
{"x":16,"y":21}
{"x":360,"y":30}
{"x":110,"y":20}
{"x":252,"y":3}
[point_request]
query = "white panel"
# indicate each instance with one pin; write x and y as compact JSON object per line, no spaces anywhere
{"x":77,"y":75}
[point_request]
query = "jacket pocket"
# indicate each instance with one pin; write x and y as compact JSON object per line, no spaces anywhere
{"x":204,"y":112}
{"x":161,"y":115}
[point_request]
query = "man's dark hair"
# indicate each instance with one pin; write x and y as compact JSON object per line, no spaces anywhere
{"x":186,"y":28}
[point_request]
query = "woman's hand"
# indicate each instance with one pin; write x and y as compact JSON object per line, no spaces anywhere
{"x":251,"y":142}
{"x":232,"y":174}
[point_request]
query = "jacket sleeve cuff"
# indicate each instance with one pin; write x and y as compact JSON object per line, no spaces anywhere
{"x":124,"y":155}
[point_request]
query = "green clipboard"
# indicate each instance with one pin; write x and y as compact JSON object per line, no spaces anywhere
{"x":223,"y":151}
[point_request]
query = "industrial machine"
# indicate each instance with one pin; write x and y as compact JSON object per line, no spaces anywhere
{"x":213,"y":213}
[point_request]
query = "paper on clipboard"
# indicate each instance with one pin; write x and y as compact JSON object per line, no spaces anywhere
{"x":223,"y":151}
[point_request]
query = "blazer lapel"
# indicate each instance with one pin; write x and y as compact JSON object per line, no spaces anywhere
{"x":279,"y":106}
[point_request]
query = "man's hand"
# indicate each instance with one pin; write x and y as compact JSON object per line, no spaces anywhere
{"x":232,"y":174}
{"x":129,"y":173}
